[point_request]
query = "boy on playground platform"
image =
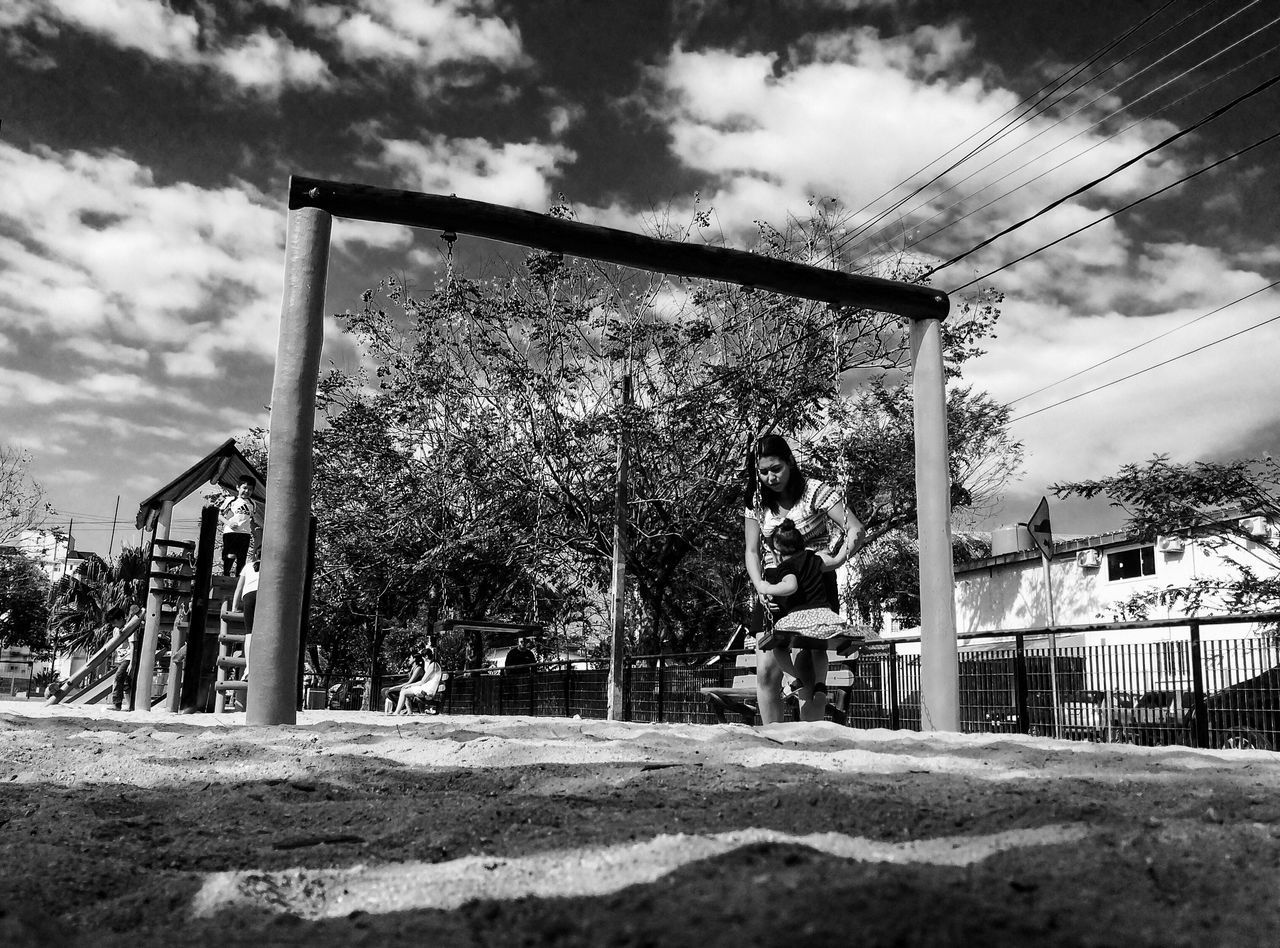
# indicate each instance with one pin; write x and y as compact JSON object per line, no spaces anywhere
{"x":240,"y":519}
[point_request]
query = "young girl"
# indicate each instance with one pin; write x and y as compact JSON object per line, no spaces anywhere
{"x":804,"y":617}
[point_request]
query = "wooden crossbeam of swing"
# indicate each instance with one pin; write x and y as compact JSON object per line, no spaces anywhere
{"x":543,"y":232}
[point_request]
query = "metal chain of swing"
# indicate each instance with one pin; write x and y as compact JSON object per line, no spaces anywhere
{"x":448,"y":237}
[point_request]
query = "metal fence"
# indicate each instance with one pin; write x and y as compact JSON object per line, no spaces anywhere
{"x":1215,"y":690}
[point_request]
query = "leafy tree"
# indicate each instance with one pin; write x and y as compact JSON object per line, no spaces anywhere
{"x":482,"y":442}
{"x":83,"y":599}
{"x":24,"y":598}
{"x":22,"y":499}
{"x":1204,"y":501}
{"x":887,"y":574}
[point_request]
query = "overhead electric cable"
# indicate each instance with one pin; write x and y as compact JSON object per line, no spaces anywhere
{"x":1194,"y":92}
{"x":1033,"y":113}
{"x":1053,"y":85}
{"x":1168,"y":332}
{"x":1082,"y":154}
{"x":1121,"y":210}
{"x":1149,"y":368}
{"x":1212,"y":116}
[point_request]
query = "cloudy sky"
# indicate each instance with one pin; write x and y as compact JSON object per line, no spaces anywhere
{"x":146,"y":146}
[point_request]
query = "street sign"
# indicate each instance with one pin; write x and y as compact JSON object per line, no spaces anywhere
{"x":1041,"y":532}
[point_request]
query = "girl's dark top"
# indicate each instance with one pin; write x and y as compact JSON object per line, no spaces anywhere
{"x":816,"y":589}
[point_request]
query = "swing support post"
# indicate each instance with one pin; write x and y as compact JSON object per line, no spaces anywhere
{"x":939,"y":656}
{"x":618,"y":644}
{"x":273,"y":685}
{"x":313,"y":203}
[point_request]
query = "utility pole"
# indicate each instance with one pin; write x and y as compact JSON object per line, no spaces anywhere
{"x":114,"y":517}
{"x":617,"y":649}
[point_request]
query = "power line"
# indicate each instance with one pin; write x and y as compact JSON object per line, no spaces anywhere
{"x":1053,"y":86}
{"x":1008,"y":130}
{"x":1149,"y":368}
{"x":1215,"y":114}
{"x":1194,"y":92}
{"x":1141,"y":345}
{"x":1121,"y":210}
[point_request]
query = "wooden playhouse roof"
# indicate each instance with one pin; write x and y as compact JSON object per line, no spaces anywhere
{"x":224,"y":466}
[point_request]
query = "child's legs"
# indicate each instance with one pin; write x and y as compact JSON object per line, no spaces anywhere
{"x":782,"y":657}
{"x":812,"y":666}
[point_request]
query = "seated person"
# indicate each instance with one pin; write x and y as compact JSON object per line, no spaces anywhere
{"x":416,"y":669}
{"x":426,"y":687}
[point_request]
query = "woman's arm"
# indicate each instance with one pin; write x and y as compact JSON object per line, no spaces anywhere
{"x":751,"y":554}
{"x":854,"y":537}
{"x":786,"y":586}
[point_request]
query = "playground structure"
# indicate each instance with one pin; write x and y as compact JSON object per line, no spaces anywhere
{"x":312,"y":206}
{"x":184,"y":596}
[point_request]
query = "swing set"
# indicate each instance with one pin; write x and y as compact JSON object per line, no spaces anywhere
{"x":314,"y":203}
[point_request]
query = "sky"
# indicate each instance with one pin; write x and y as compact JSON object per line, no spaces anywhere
{"x":146,"y":146}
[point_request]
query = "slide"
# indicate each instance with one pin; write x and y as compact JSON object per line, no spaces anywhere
{"x":97,"y":693}
{"x":121,"y":634}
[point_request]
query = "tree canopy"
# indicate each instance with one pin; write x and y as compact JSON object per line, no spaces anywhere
{"x":469,"y":467}
{"x":22,"y":500}
{"x":1206,"y":502}
{"x":24,"y":598}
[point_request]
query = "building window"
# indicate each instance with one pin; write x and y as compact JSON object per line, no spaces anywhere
{"x":1131,"y":564}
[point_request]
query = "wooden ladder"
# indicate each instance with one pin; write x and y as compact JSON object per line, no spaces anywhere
{"x":230,"y":637}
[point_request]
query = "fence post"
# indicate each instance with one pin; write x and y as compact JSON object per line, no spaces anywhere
{"x":532,"y":677}
{"x":568,"y":689}
{"x":1020,"y":683}
{"x":895,"y":713}
{"x":662,"y":681}
{"x":626,"y":691}
{"x":1200,"y":734}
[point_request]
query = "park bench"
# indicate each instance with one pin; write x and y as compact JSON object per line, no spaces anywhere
{"x":421,"y":704}
{"x":740,"y":698}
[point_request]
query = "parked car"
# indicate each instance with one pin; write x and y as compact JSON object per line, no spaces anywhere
{"x":1089,"y":714}
{"x":1244,"y":715}
{"x":1158,"y":717}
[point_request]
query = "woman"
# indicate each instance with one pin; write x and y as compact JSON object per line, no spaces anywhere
{"x":778,"y":491}
{"x":426,"y":687}
{"x":417,"y":667}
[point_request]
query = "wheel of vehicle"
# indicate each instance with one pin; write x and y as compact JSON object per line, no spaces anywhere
{"x":1243,"y":738}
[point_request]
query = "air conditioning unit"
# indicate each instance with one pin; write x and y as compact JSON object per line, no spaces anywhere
{"x":1255,"y":526}
{"x":1088,"y":559}
{"x":1171,"y":544}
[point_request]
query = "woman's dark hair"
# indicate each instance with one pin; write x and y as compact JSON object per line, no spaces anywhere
{"x":787,"y":539}
{"x":429,"y":654}
{"x":772,"y":446}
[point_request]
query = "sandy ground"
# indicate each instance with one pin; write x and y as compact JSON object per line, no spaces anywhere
{"x":354,"y":829}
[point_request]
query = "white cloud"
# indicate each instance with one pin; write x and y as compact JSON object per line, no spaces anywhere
{"x":1175,"y":409}
{"x":117,"y":258}
{"x":19,"y":388}
{"x":154,"y":28}
{"x":262,"y":62}
{"x":423,"y":33}
{"x":271,"y":63}
{"x":109,"y":353}
{"x":513,"y":173}
{"x":853,"y":114}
